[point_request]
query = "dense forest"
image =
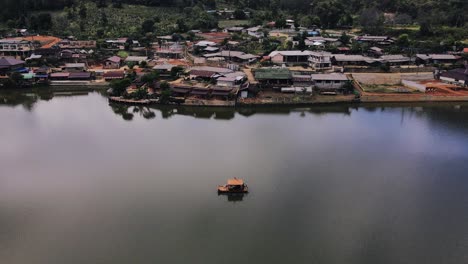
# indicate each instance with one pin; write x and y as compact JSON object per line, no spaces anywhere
{"x":97,"y":18}
{"x":329,"y":12}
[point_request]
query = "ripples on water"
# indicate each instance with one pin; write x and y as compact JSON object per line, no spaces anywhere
{"x":82,"y":181}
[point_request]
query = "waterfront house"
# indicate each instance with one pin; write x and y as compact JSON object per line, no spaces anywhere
{"x":181,"y":90}
{"x":234,"y":30}
{"x":456,"y":76}
{"x":234,"y":79}
{"x":113,"y":62}
{"x":273,"y":76}
{"x":202,"y":92}
{"x":8,"y":64}
{"x":79,"y":76}
{"x":59,"y":76}
{"x":221,"y":92}
{"x":302,"y":80}
{"x":207,"y":72}
{"x":113,"y":75}
{"x":329,"y":83}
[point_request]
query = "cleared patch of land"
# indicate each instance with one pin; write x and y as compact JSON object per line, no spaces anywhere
{"x":232,"y":23}
{"x":389,"y":82}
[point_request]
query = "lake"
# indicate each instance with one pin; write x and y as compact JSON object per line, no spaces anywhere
{"x":82,"y":181}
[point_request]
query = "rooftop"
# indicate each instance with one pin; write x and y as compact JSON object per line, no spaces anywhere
{"x":290,"y":53}
{"x":115,"y":59}
{"x":330,"y":77}
{"x":273,"y":73}
{"x":235,"y":181}
{"x":7,"y":62}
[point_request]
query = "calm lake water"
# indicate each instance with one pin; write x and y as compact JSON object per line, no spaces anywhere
{"x":84,"y":182}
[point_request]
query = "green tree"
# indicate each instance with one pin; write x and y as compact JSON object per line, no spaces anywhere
{"x":147,"y":26}
{"x":239,"y":14}
{"x":372,"y":20}
{"x":119,"y":86}
{"x":344,"y":38}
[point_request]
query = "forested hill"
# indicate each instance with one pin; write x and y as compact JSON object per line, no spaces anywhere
{"x":326,"y":13}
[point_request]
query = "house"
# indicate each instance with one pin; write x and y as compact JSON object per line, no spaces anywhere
{"x":302,"y":80}
{"x":436,"y":58}
{"x":376,"y":51}
{"x":375,"y":40}
{"x":75,"y":67}
{"x":234,"y":79}
{"x":320,"y":61}
{"x":119,"y":43}
{"x":315,"y":32}
{"x":322,"y":41}
{"x":234,"y":30}
{"x":72,"y":56}
{"x":164,"y":69}
{"x":200,"y":91}
{"x":211,"y":49}
{"x":359,"y":60}
{"x":456,"y":76}
{"x":136,"y":59}
{"x":205,"y":43}
{"x":77,"y":44}
{"x":329,"y":83}
{"x":235,"y":56}
{"x":79,"y":76}
{"x":113,"y":75}
{"x":207,"y":72}
{"x":59,"y":76}
{"x":396,"y":60}
{"x":221,"y":91}
{"x":16,"y":47}
{"x":181,"y":90}
{"x":113,"y":62}
{"x":8,"y":65}
{"x":273,"y":76}
{"x":290,"y":57}
{"x":256,"y":32}
{"x":170,"y":50}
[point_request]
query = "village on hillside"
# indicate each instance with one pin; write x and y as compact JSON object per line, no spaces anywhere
{"x":237,"y":65}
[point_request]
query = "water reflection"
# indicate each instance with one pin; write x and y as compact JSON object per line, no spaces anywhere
{"x":435,"y":111}
{"x":233,"y":197}
{"x":332,"y":184}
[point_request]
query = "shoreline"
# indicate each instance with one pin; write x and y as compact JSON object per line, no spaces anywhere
{"x":412,"y":101}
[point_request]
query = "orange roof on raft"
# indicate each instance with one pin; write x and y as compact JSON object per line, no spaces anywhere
{"x":235,"y":181}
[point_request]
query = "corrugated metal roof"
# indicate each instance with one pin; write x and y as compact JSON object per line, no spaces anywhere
{"x":329,"y":77}
{"x":273,"y":74}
